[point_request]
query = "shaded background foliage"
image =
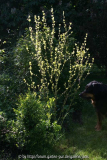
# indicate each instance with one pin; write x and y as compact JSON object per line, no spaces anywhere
{"x":87,"y":16}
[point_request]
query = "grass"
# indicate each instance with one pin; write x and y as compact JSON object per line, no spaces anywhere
{"x":83,"y":140}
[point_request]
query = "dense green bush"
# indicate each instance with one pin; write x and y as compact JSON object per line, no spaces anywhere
{"x":61,"y":67}
{"x":3,"y":127}
{"x":33,"y":128}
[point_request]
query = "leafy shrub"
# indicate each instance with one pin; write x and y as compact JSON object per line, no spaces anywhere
{"x":3,"y":126}
{"x":33,"y":128}
{"x":61,"y":67}
{"x":50,"y":65}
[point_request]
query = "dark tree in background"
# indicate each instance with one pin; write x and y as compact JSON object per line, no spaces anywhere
{"x":98,"y":32}
{"x":87,"y":16}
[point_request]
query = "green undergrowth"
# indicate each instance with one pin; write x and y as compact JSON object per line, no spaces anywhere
{"x":83,"y":140}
